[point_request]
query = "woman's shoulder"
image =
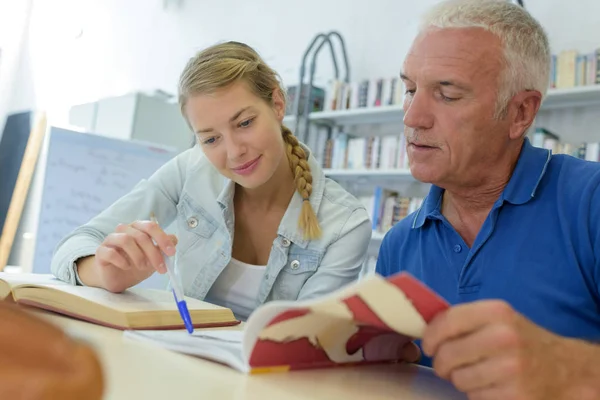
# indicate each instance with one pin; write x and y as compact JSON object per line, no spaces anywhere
{"x":192,"y":174}
{"x":341,"y":209}
{"x":191,"y":160}
{"x":336,"y":195}
{"x":193,"y":164}
{"x":343,"y":217}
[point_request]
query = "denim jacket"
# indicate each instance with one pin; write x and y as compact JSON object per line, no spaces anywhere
{"x":189,"y":192}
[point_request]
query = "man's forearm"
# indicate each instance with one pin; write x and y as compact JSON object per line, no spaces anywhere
{"x":585,"y":358}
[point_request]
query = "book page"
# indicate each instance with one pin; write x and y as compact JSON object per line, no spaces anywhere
{"x":223,"y":346}
{"x":15,"y":279}
{"x":10,"y":280}
{"x":368,"y":321}
{"x":131,"y":300}
{"x":265,"y":314}
{"x":327,"y":326}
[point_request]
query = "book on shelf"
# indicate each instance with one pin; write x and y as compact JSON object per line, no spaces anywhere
{"x":542,"y":137}
{"x":371,"y":152}
{"x":376,"y":92}
{"x":571,"y":68}
{"x":135,"y":308}
{"x":315,"y":102}
{"x":387,"y":207}
{"x":366,"y":322}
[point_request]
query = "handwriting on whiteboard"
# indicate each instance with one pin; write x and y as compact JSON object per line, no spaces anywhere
{"x":84,"y":175}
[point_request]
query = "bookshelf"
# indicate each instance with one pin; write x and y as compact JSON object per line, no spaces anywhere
{"x":356,"y":116}
{"x":396,"y":174}
{"x":556,"y":99}
{"x":580,"y":96}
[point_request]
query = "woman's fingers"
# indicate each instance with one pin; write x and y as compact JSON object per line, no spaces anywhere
{"x":137,"y":245}
{"x":111,"y":256}
{"x":127,"y":245}
{"x":162,"y":240}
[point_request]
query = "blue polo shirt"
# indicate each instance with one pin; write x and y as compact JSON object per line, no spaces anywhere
{"x":538,"y":249}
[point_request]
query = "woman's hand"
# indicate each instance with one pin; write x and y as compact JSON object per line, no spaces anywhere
{"x":128,"y":256}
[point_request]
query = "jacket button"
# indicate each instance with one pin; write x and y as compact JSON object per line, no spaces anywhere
{"x":285,"y":243}
{"x":295,"y":264}
{"x":192,"y":222}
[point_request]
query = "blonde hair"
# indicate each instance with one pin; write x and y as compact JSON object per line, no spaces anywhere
{"x":224,"y":64}
{"x":526,"y":48}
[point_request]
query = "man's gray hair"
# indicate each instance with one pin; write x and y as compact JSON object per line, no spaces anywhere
{"x":526,"y":48}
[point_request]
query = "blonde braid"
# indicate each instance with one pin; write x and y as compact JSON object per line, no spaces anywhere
{"x":223,"y":64}
{"x":298,"y":160}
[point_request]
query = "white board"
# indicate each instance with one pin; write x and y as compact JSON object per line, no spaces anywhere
{"x":84,"y":174}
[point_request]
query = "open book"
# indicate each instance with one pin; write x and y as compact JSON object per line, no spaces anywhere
{"x":366,"y":322}
{"x":133,"y":309}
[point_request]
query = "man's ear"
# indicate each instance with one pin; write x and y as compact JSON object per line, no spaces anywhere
{"x":278,"y":104}
{"x":524,"y":107}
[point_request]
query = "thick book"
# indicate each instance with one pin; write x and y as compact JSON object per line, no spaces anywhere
{"x":134,"y":308}
{"x":366,"y":322}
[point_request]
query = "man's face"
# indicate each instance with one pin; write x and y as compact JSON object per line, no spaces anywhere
{"x":451,"y":78}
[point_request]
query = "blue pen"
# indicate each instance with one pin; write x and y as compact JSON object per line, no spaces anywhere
{"x":177,"y":289}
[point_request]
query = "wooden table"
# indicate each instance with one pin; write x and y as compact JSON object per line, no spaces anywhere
{"x":140,"y":371}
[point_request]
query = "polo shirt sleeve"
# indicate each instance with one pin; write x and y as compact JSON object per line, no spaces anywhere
{"x":384,"y":261}
{"x":595,"y":234}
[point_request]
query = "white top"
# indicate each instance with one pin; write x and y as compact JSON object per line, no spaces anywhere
{"x":237,"y":288}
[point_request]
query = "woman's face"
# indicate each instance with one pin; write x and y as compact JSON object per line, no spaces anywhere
{"x":239,"y":133}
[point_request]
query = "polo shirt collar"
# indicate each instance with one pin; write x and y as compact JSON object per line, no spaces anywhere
{"x":521,"y":188}
{"x":529,"y":171}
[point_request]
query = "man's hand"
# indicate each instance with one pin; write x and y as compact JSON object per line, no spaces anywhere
{"x":39,"y":361}
{"x":489,"y":351}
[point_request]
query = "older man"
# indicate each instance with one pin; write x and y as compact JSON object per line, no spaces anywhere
{"x":509,"y":233}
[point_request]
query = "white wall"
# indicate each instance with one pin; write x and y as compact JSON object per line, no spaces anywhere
{"x":14,"y":20}
{"x":143,"y":44}
{"x":82,"y":50}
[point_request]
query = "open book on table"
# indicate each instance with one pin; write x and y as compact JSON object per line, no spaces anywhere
{"x":135,"y":308}
{"x":366,"y":322}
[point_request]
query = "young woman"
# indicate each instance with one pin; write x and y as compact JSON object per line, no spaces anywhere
{"x":256,"y":218}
